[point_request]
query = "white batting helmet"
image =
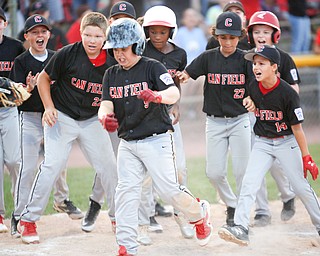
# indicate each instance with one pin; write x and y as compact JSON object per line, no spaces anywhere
{"x":160,"y":16}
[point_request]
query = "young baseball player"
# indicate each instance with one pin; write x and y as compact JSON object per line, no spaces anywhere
{"x":264,"y":29}
{"x":9,"y":119}
{"x":160,"y":26}
{"x":119,"y":10}
{"x":70,"y":113}
{"x":25,"y":70}
{"x":134,"y":101}
{"x":227,"y":75}
{"x":279,"y":135}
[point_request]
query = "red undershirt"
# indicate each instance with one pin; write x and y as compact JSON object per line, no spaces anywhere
{"x":265,"y":91}
{"x":100,"y":60}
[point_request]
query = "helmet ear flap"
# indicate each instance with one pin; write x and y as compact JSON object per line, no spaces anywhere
{"x":146,"y":32}
{"x":110,"y":51}
{"x":171,"y":33}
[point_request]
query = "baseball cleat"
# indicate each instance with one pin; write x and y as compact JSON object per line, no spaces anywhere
{"x":288,"y":210}
{"x":28,"y":231}
{"x":143,"y":236}
{"x":68,"y":207}
{"x":87,"y":223}
{"x":155,"y":226}
{"x":204,"y":227}
{"x":261,"y":220}
{"x":3,"y":227}
{"x":14,"y":227}
{"x":230,"y":216}
{"x":235,"y":234}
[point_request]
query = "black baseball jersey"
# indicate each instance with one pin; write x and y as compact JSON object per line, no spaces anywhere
{"x":174,"y":61}
{"x":287,"y":69}
{"x":226,"y":79}
{"x":23,"y":64}
{"x":10,"y":48}
{"x":78,"y":83}
{"x":138,"y":120}
{"x":276,"y":110}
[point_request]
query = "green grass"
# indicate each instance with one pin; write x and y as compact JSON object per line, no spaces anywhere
{"x":80,"y":182}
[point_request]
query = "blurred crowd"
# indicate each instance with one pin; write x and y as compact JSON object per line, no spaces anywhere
{"x":195,"y":18}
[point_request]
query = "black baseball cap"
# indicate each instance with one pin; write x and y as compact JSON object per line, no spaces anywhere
{"x":266,"y":51}
{"x":123,"y":7}
{"x":2,"y":14}
{"x":233,"y":4}
{"x":228,"y":23}
{"x":35,"y":20}
{"x":38,"y":7}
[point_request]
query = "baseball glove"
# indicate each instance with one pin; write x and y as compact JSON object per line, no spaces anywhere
{"x":12,"y":94}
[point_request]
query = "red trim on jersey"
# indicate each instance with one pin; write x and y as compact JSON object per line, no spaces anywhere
{"x":100,"y":60}
{"x":265,"y":90}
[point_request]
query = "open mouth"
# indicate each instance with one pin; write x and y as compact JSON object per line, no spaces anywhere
{"x":257,"y":74}
{"x":40,"y":42}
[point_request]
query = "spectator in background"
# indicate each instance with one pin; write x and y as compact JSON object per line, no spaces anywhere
{"x":73,"y":35}
{"x":19,"y":17}
{"x":57,"y":38}
{"x":300,"y":26}
{"x":272,"y":6}
{"x":214,"y":11}
{"x":190,"y":36}
{"x":316,"y":42}
{"x":93,"y":5}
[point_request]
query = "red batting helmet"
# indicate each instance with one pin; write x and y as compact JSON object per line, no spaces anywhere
{"x":265,"y":18}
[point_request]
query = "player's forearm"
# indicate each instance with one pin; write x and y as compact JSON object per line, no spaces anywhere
{"x":170,"y":95}
{"x":300,"y":138}
{"x":43,"y":84}
{"x":106,"y":107}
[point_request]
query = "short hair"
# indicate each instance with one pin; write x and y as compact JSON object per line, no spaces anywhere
{"x":94,"y":19}
{"x":213,"y":33}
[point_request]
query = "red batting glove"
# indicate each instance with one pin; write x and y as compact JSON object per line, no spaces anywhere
{"x":309,"y":164}
{"x":150,"y":96}
{"x":109,"y":122}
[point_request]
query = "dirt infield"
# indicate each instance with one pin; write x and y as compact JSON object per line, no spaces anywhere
{"x":61,"y":236}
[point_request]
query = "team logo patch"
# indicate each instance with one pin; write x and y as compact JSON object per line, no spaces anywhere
{"x":166,"y":78}
{"x":294,"y":74}
{"x":299,"y":114}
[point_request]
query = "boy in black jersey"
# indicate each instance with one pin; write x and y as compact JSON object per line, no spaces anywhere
{"x":279,"y":135}
{"x":26,"y":69}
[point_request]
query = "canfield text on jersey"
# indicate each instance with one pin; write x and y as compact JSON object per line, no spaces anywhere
{"x":227,"y":79}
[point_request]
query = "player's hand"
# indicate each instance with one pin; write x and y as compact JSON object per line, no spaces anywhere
{"x":150,"y":96}
{"x":310,"y":165}
{"x":183,"y":76}
{"x":175,"y":111}
{"x":31,"y":81}
{"x":50,"y":116}
{"x":109,"y":122}
{"x":249,"y":104}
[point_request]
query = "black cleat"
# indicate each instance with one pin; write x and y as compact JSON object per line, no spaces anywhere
{"x":87,"y":224}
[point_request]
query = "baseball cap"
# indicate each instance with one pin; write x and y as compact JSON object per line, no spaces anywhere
{"x":228,"y":23}
{"x":2,"y":15}
{"x":233,"y":4}
{"x":35,"y":20}
{"x":38,"y":6}
{"x":123,"y":7}
{"x":266,"y":51}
